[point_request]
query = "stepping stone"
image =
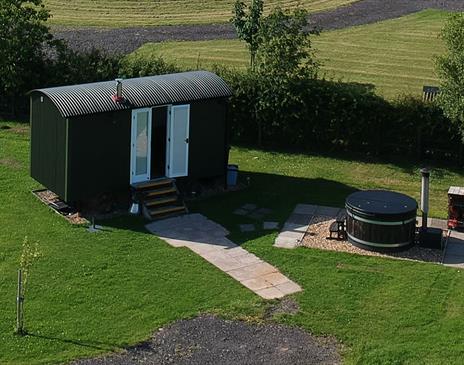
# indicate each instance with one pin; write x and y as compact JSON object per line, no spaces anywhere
{"x":264,"y":211}
{"x":256,"y":215}
{"x":270,"y":225}
{"x":249,"y":207}
{"x":247,"y":228}
{"x":240,"y":211}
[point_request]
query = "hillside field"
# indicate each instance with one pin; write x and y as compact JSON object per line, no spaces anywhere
{"x":127,"y":13}
{"x":397,"y":56}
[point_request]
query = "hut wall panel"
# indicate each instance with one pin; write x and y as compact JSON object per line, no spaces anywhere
{"x":48,"y":145}
{"x":207,"y":153}
{"x":99,"y":154}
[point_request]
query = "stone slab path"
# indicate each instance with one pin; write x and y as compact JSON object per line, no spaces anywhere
{"x":295,"y":227}
{"x":208,"y":239}
{"x":454,"y":254}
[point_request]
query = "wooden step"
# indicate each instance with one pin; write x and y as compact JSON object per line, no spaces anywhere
{"x":161,"y":192}
{"x":160,"y":201}
{"x":152,"y":183}
{"x":166,"y":210}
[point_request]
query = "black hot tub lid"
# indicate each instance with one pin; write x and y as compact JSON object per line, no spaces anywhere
{"x":382,"y":204}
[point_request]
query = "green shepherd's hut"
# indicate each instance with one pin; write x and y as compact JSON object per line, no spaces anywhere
{"x":130,"y":135}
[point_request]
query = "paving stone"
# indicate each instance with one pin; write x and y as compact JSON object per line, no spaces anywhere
{"x":302,"y":219}
{"x":458,"y":235}
{"x":453,"y":259}
{"x":226,"y":264}
{"x":174,"y":242}
{"x":454,"y":248}
{"x":203,"y":250}
{"x":241,"y":211}
{"x":260,"y":269}
{"x":292,"y":235}
{"x":270,"y":293}
{"x":275,"y":278}
{"x":248,"y":259}
{"x":305,"y":209}
{"x":289,"y":288}
{"x":249,"y":207}
{"x":247,"y":228}
{"x":264,"y":211}
{"x":257,"y":216}
{"x":327,"y":211}
{"x":241,"y":274}
{"x":284,"y":242}
{"x":270,"y":225}
{"x":256,"y":284}
{"x":292,"y":227}
{"x":220,"y":254}
{"x":236,"y":251}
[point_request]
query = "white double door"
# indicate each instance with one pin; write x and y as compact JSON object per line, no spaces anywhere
{"x":177,"y":143}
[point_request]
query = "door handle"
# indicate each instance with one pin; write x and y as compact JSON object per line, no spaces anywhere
{"x":186,"y":140}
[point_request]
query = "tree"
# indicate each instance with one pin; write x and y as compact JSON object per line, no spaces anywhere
{"x":450,"y":68}
{"x":285,"y":44}
{"x":29,"y":255}
{"x":23,"y":34}
{"x":246,"y":21}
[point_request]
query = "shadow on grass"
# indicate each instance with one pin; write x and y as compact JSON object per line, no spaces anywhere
{"x":278,"y":193}
{"x":90,"y":344}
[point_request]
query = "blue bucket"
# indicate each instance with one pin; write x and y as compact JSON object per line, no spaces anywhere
{"x":232,"y":175}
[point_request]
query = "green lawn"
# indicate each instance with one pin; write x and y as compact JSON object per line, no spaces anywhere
{"x":395,"y":55}
{"x":92,"y":293}
{"x":129,"y":13}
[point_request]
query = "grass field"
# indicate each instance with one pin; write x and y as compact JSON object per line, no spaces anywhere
{"x":129,"y":13}
{"x":91,"y":293}
{"x":395,"y":55}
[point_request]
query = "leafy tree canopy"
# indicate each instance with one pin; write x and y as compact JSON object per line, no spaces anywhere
{"x":285,"y":44}
{"x":246,"y":21}
{"x":450,"y":67}
{"x":23,"y":34}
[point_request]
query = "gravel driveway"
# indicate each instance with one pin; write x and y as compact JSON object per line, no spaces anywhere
{"x":126,"y":40}
{"x":210,"y":340}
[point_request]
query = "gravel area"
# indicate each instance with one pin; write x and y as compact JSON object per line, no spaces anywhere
{"x":48,"y":197}
{"x":210,"y":340}
{"x":126,"y":40}
{"x":318,"y":231}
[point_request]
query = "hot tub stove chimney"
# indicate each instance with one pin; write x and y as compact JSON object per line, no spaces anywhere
{"x":425,"y":172}
{"x":428,"y":237}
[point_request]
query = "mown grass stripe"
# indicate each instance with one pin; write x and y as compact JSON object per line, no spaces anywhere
{"x":395,"y":55}
{"x":116,"y":13}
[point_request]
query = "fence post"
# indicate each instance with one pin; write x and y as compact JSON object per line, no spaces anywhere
{"x":19,"y":305}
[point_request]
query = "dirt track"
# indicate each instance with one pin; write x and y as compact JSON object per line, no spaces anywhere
{"x":126,"y":40}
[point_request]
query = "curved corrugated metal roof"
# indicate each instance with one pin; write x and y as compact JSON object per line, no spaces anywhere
{"x":138,"y":93}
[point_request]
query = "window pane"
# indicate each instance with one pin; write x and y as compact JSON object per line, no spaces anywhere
{"x":141,"y":155}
